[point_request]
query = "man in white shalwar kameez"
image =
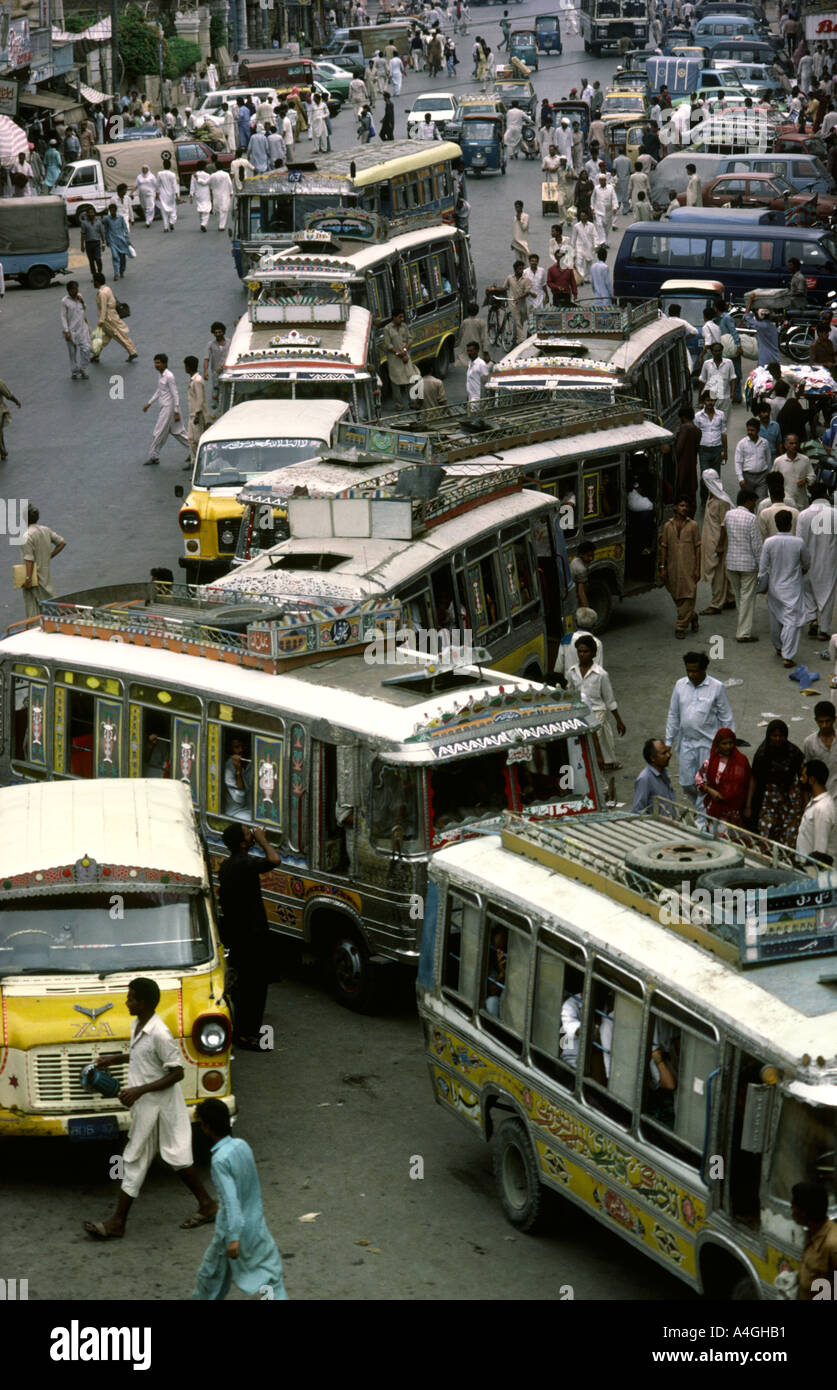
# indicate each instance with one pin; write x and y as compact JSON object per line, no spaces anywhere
{"x":638,"y":183}
{"x":76,"y":330}
{"x":784,"y":562}
{"x":221,"y":190}
{"x":159,"y":1119}
{"x":200,"y":195}
{"x":583,"y":238}
{"x":231,"y":126}
{"x":146,"y":185}
{"x":817,"y":527}
{"x":168,"y":190}
{"x":168,"y":420}
{"x":605,"y":206}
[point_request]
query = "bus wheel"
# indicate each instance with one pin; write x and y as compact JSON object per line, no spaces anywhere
{"x":516,"y":1174}
{"x":352,"y":972}
{"x":600,"y":595}
{"x":443,"y":360}
{"x":39,"y":277}
{"x":681,"y":859}
{"x":744,"y":1291}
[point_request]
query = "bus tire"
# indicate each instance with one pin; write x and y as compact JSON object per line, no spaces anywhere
{"x":443,"y":360}
{"x":586,"y":46}
{"x":600,"y":596}
{"x":682,"y":860}
{"x":351,"y":970}
{"x":744,"y":1291}
{"x":718,"y":879}
{"x":519,"y":1186}
{"x":39,"y":277}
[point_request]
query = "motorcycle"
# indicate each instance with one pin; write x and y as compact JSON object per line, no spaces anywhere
{"x":529,"y":141}
{"x":797,"y":332}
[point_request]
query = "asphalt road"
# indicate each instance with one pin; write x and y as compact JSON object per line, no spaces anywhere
{"x":338,"y":1111}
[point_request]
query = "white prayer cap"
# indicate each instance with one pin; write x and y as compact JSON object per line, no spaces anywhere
{"x":585,"y":617}
{"x":714,"y":485}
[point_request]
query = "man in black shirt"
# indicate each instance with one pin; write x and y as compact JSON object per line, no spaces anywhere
{"x":244,"y":925}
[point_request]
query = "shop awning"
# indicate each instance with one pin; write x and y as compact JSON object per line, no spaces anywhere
{"x":92,"y":96}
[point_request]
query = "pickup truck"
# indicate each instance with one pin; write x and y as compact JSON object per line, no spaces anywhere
{"x":91,"y":183}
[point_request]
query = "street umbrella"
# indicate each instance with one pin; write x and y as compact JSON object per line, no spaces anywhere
{"x":12,"y":140}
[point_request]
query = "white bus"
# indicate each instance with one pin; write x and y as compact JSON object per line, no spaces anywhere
{"x":356,"y":768}
{"x":643,"y":1019}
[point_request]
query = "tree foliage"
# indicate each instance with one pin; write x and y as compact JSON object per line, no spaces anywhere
{"x":180,"y":55}
{"x":218,"y":35}
{"x":138,"y":43}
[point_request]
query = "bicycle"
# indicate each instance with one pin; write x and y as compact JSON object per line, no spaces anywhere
{"x":502,"y":330}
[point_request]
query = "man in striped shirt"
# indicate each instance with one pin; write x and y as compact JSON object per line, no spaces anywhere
{"x":743,"y":552}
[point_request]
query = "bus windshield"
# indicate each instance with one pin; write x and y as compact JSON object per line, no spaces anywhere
{"x":76,"y":934}
{"x":805,"y":1148}
{"x":462,"y":795}
{"x":328,"y":387}
{"x":227,"y":462}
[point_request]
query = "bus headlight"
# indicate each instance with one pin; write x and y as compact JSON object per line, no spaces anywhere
{"x":189,"y":520}
{"x":211,"y":1033}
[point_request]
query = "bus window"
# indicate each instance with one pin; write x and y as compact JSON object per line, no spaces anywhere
{"x":485,"y":594}
{"x":29,"y":730}
{"x":448,"y":613}
{"x":379,"y":288}
{"x":804,"y":1150}
{"x":553,"y":771}
{"x":519,"y":569}
{"x":457,"y":799}
{"x":461,"y":953}
{"x":155,"y":738}
{"x":417,"y":610}
{"x":505,"y":977}
{"x":602,"y":496}
{"x":244,"y":764}
{"x":613,"y":1043}
{"x":557,"y":1011}
{"x":677,"y":1065}
{"x":394,"y":808}
{"x":238,"y":775}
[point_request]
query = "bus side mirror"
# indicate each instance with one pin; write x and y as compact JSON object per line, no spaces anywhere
{"x":178,"y":491}
{"x":347,"y":778}
{"x":758,"y":1109}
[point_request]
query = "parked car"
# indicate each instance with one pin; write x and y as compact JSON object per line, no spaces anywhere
{"x":441,"y":107}
{"x":806,"y":173}
{"x":335,"y":79}
{"x":757,"y":79}
{"x":189,"y":153}
{"x":760,"y":190}
{"x":486,"y":106}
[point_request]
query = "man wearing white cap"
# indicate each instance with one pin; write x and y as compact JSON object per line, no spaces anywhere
{"x":714,"y":570}
{"x":564,"y":140}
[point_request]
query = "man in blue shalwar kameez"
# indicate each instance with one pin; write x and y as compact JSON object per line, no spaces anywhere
{"x":242,"y":1250}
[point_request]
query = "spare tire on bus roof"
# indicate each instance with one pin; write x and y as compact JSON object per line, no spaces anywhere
{"x":682,"y":857}
{"x":750,"y":877}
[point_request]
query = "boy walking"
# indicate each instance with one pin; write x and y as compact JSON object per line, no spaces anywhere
{"x":169,"y":415}
{"x":198,"y":414}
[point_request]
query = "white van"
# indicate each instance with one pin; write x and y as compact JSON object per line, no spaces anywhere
{"x":211,"y":109}
{"x":253,"y":438}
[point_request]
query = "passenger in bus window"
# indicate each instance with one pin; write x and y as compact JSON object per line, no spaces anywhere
{"x":663,"y":1070}
{"x":238,"y":780}
{"x":571,"y":1020}
{"x":496,"y":981}
{"x":156,"y":760}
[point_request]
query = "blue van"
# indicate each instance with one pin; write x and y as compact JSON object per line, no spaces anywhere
{"x":744,"y":255}
{"x":34,"y":239}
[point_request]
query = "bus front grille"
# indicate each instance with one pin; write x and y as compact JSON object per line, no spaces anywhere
{"x":55,"y":1078}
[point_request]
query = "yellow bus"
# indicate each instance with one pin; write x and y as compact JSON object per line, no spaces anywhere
{"x":352,"y":193}
{"x":101,"y":881}
{"x":639,"y":1014}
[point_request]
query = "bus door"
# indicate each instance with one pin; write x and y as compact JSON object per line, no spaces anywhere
{"x":744,"y":1105}
{"x":337,"y":806}
{"x":644,"y":517}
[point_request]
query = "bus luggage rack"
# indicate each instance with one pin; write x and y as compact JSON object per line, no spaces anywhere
{"x":454,"y":432}
{"x":744,"y":925}
{"x":176,"y":619}
{"x":608,"y":321}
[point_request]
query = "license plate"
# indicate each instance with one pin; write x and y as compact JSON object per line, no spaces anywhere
{"x":96,"y":1127}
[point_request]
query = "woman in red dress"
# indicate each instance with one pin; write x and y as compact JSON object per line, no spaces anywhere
{"x":724,"y":779}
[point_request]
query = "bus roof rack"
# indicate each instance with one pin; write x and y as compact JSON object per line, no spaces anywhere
{"x":789,"y":921}
{"x":177,"y":617}
{"x":453,"y":432}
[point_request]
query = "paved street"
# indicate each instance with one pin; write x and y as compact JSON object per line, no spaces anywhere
{"x":338,"y":1110}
